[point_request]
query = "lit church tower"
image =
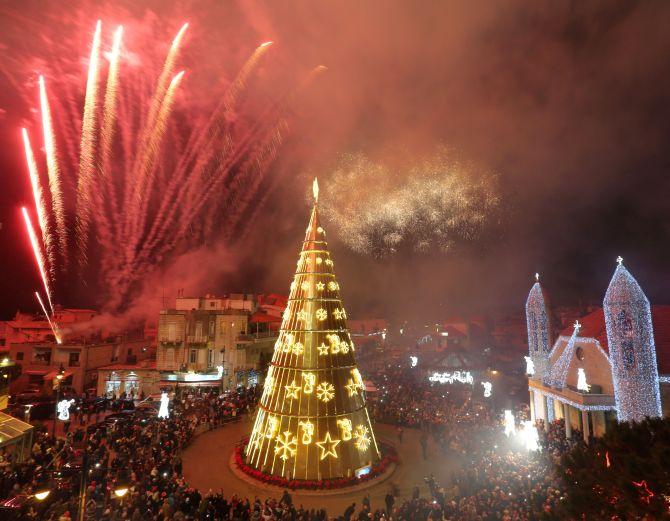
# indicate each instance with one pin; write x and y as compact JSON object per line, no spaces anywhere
{"x":630,"y":336}
{"x":538,"y":322}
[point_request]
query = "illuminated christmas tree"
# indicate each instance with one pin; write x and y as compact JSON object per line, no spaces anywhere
{"x":312,"y":422}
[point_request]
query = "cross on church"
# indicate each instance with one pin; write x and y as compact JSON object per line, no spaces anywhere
{"x":619,"y":260}
{"x":577,"y":326}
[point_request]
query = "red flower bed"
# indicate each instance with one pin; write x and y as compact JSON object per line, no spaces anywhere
{"x":389,"y":455}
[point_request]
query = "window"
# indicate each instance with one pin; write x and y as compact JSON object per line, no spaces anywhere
{"x":73,"y":360}
{"x":19,"y":355}
{"x":211,"y":328}
{"x":198,"y":331}
{"x":579,"y":353}
{"x":210,"y":357}
{"x":212,"y":304}
{"x":193,"y":356}
{"x":627,"y":339}
{"x":172,"y":332}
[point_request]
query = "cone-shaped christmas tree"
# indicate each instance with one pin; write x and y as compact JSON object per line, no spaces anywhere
{"x":312,"y":422}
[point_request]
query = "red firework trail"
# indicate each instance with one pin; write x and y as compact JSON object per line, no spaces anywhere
{"x":139,"y":181}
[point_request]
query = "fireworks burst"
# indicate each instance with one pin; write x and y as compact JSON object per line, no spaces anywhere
{"x":136,"y":183}
{"x":435,"y":204}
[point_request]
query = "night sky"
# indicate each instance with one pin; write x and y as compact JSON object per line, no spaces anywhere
{"x":566,"y":102}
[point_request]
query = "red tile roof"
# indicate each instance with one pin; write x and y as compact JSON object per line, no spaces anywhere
{"x":593,"y":326}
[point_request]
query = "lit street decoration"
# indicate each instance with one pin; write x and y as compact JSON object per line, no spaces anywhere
{"x":530,"y":366}
{"x":581,"y":381}
{"x":413,"y":360}
{"x":530,"y":436}
{"x":463,"y":377}
{"x":509,"y":423}
{"x":488,"y":386}
{"x":64,"y":409}
{"x":163,"y":412}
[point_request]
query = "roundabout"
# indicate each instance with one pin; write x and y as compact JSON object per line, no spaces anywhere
{"x":208,"y":464}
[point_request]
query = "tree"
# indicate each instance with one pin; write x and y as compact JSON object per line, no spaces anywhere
{"x":624,"y":475}
{"x":312,"y":421}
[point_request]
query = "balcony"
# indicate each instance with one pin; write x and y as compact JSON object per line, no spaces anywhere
{"x":171,"y":343}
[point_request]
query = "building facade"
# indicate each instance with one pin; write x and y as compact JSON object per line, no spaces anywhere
{"x":613,"y":364}
{"x":215,"y":341}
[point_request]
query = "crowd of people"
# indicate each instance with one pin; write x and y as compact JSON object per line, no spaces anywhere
{"x":495,"y":480}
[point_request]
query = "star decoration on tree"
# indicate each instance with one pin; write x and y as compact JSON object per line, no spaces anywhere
{"x":323,"y":349}
{"x":292,"y":390}
{"x":321,"y":314}
{"x":329,"y":262}
{"x":362,"y":438}
{"x":286,"y":445}
{"x":337,"y":313}
{"x":351,"y":387}
{"x":328,"y":446}
{"x":325,"y":391}
{"x":297,"y":348}
{"x":320,"y":286}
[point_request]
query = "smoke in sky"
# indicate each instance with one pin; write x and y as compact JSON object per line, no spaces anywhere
{"x":567,"y":102}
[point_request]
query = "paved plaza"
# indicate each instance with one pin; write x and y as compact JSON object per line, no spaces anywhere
{"x":206,"y":466}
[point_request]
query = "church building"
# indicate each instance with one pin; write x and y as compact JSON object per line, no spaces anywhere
{"x":611,"y":365}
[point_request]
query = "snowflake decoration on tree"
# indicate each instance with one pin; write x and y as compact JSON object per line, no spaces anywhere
{"x":325,"y":391}
{"x":286,"y":445}
{"x":344,"y":347}
{"x":319,"y":260}
{"x":332,"y":285}
{"x":298,"y":348}
{"x":302,"y":315}
{"x":321,"y":314}
{"x":329,"y":262}
{"x":321,"y":230}
{"x":304,"y":286}
{"x":362,"y":438}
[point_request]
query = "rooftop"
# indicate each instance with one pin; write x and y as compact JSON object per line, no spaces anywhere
{"x":593,"y":326}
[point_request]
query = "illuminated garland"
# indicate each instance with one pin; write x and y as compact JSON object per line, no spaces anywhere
{"x":630,"y":336}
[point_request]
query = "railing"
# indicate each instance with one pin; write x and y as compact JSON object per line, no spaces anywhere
{"x":40,"y":362}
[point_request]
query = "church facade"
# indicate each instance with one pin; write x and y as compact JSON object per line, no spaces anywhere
{"x":611,"y":365}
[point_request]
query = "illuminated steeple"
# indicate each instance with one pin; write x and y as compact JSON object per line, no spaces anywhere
{"x":538,"y":323}
{"x":630,"y":337}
